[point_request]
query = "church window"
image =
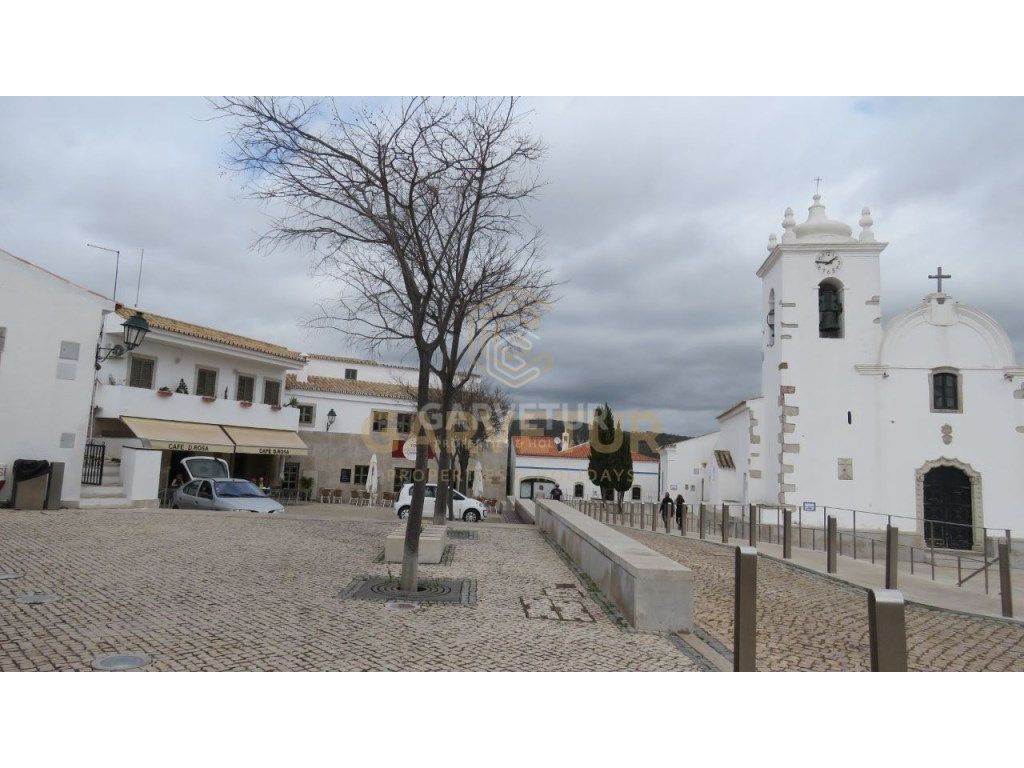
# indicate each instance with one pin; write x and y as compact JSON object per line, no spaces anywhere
{"x":849,"y":417}
{"x":945,"y":390}
{"x":770,"y":320}
{"x":830,"y":310}
{"x":724,"y":459}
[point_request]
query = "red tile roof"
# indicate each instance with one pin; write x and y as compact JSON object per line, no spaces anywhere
{"x":529,"y":445}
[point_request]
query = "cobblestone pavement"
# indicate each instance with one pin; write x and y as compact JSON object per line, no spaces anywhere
{"x":809,"y":622}
{"x":202,"y":591}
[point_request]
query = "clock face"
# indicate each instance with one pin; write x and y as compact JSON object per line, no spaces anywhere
{"x":828,"y":262}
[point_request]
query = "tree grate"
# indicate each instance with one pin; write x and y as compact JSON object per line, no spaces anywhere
{"x":383,"y":590}
{"x":458,"y":533}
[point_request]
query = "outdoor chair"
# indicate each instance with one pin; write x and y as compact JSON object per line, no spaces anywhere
{"x":325,"y":494}
{"x":387,"y":499}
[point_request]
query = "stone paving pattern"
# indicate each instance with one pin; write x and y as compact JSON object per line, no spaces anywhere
{"x":809,"y":622}
{"x":202,"y":591}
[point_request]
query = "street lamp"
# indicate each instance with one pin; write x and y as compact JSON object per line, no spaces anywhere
{"x":331,"y":416}
{"x":135,"y":330}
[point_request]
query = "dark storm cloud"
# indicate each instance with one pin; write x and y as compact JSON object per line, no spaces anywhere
{"x":656,"y":214}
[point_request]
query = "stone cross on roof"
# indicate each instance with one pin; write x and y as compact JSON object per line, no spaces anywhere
{"x":817,"y":185}
{"x":939,"y":277}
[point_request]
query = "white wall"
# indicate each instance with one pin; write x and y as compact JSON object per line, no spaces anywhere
{"x":568,"y":472}
{"x":39,"y":311}
{"x":140,"y":474}
{"x":178,"y":357}
{"x":690,"y":463}
{"x":353,"y":414}
{"x":364,"y":372}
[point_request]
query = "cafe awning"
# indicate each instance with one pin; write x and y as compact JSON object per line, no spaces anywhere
{"x":179,"y":435}
{"x":267,"y":442}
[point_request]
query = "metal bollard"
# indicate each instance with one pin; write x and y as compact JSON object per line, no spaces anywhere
{"x":642,"y":515}
{"x":831,"y":547}
{"x":1005,"y":590}
{"x":700,"y":520}
{"x":744,"y":635}
{"x":892,"y":552}
{"x":752,"y":512}
{"x":632,"y":506}
{"x":787,"y":533}
{"x":888,"y":630}
{"x":725,"y":523}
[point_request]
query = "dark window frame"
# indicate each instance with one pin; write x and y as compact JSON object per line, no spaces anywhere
{"x":131,"y":371}
{"x":200,"y":370}
{"x":946,"y":391}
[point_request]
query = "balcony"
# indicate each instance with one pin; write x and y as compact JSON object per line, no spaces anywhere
{"x":115,"y":400}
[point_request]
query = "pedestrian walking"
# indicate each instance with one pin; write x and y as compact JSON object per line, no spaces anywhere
{"x":666,"y":509}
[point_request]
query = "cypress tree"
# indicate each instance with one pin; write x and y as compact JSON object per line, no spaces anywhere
{"x":620,"y":466}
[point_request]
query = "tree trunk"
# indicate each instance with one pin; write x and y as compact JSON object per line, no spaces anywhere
{"x":443,"y":502}
{"x":463,"y":459}
{"x":414,"y":523}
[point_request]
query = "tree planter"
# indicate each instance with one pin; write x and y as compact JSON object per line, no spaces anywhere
{"x":164,"y":392}
{"x":245,"y":403}
{"x":208,"y":398}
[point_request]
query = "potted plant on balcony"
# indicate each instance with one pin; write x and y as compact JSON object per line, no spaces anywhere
{"x":275,"y":407}
{"x":245,"y":403}
{"x":209,"y":398}
{"x":164,"y":392}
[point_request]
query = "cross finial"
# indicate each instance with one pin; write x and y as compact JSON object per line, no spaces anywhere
{"x":817,"y":185}
{"x":939,"y":277}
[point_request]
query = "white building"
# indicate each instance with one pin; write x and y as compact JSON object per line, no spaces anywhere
{"x":191,"y":390}
{"x":923,"y":418}
{"x":537,"y":463}
{"x":49,"y":328}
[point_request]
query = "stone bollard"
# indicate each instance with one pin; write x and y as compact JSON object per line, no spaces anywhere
{"x":744,"y":635}
{"x":1005,"y":587}
{"x":787,"y":533}
{"x":892,"y":554}
{"x":700,"y":520}
{"x":725,"y":523}
{"x":887,"y":628}
{"x":643,"y":514}
{"x":831,"y":548}
{"x":632,"y":506}
{"x":752,"y":512}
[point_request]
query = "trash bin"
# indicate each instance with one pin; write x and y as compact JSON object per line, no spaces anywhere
{"x":55,"y":486}
{"x":31,"y":481}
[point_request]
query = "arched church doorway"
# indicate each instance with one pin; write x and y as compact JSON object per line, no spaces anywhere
{"x":948,"y":511}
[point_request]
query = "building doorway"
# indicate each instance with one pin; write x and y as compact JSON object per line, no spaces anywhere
{"x":535,"y":487}
{"x":948,"y":508}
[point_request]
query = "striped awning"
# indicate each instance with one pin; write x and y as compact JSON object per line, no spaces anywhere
{"x":179,"y":435}
{"x":267,"y":442}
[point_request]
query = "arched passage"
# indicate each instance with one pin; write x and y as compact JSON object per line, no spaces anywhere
{"x":534,"y":487}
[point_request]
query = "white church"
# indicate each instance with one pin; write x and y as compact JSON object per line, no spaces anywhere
{"x":922,"y":418}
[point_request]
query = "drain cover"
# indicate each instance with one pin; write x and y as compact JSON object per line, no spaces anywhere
{"x":121,"y":661}
{"x":400,"y":605}
{"x":7,"y":576}
{"x":35,"y":599}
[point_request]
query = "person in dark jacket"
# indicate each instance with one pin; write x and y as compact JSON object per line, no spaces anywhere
{"x":679,"y":512}
{"x":666,"y":508}
{"x":556,"y":493}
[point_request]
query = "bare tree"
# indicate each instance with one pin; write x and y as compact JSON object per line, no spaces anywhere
{"x":412,"y":210}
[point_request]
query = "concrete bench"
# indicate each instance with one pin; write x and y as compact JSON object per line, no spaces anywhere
{"x":432,"y":540}
{"x":653,"y":592}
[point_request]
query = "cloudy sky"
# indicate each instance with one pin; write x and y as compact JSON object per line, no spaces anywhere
{"x":656,"y":215}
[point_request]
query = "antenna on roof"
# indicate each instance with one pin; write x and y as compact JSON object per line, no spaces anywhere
{"x":138,"y":285}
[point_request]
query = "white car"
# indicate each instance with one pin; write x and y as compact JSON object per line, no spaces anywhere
{"x":463,"y":507}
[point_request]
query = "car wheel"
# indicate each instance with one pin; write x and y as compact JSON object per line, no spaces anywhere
{"x":403,"y":513}
{"x":471,"y":516}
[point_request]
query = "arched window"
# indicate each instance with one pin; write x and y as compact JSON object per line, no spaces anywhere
{"x":770,"y":320}
{"x":945,"y":390}
{"x":577,"y":491}
{"x":830,"y":309}
{"x":636,"y":493}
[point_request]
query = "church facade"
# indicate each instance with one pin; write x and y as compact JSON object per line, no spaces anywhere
{"x":921,"y":419}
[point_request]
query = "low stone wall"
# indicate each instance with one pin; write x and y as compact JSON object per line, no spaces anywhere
{"x":525,"y":508}
{"x":653,"y":592}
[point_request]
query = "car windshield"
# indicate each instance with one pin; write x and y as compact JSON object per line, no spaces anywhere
{"x":238,"y":489}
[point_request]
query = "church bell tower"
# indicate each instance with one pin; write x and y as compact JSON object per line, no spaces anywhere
{"x":822,"y":319}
